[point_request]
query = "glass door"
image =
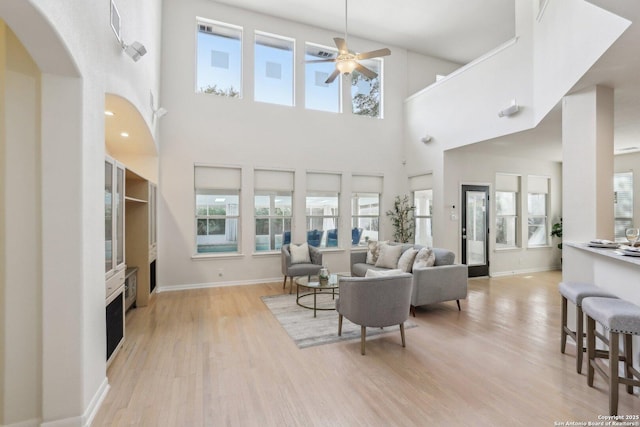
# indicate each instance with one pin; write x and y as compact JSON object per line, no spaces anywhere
{"x":108,"y":217}
{"x":475,"y":230}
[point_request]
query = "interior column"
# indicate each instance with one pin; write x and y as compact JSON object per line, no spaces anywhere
{"x":587,"y":173}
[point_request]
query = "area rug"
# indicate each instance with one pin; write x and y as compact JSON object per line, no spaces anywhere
{"x":307,"y":331}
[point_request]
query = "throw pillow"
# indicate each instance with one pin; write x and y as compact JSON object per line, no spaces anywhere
{"x":382,"y":273}
{"x":424,"y":258}
{"x":405,"y":263}
{"x":373,"y":250}
{"x":389,"y":256}
{"x":299,"y":253}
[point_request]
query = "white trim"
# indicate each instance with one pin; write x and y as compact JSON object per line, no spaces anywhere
{"x":65,"y":422}
{"x":186,"y":286}
{"x":33,"y":422}
{"x":524,"y":271}
{"x":96,"y":402}
{"x":541,"y":10}
{"x":217,"y":255}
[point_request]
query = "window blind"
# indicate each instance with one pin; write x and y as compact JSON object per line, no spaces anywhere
{"x":217,"y":177}
{"x":265,"y":179}
{"x":366,"y":184}
{"x":318,"y":181}
{"x":421,"y":182}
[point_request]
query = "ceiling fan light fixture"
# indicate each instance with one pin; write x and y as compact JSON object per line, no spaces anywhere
{"x":346,"y":66}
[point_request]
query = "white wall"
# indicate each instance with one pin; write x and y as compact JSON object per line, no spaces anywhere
{"x":22,"y":203}
{"x":218,"y":130}
{"x":422,"y":70}
{"x":79,"y":60}
{"x":458,"y":171}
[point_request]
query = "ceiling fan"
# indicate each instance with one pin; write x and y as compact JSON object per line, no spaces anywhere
{"x":347,"y":60}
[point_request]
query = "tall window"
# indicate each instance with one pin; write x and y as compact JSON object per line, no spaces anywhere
{"x":322,"y":219}
{"x":506,"y":219}
{"x":623,"y":203}
{"x":319,"y":95}
{"x":365,"y":208}
{"x":273,"y":219}
{"x":537,"y":206}
{"x":322,"y":209}
{"x":273,"y":204}
{"x":420,"y":186}
{"x":219,"y":59}
{"x":365,"y":217}
{"x":273,"y":69}
{"x":507,"y":210}
{"x":217,"y":209}
{"x":366,"y":94}
{"x":423,"y":201}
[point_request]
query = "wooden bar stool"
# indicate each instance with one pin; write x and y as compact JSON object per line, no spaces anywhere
{"x":619,"y":317}
{"x":576,"y":292}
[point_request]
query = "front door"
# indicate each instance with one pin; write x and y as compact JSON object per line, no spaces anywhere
{"x":475,"y":229}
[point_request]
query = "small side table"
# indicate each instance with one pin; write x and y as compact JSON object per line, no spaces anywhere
{"x":315,"y":288}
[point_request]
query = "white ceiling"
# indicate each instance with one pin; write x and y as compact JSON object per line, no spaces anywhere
{"x":462,"y":30}
{"x":456,"y":30}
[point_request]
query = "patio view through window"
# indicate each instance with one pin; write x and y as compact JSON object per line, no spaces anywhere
{"x":273,"y":220}
{"x":322,"y":219}
{"x":217,"y":215}
{"x":365,"y":216}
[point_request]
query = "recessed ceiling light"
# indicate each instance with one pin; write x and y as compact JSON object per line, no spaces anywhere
{"x":124,"y":134}
{"x":109,"y":113}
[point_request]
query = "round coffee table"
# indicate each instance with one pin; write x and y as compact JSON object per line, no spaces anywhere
{"x":314,"y":287}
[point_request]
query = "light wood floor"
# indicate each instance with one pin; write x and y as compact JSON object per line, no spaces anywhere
{"x":218,"y":357}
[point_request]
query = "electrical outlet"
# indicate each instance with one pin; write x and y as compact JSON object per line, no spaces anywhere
{"x":220,"y":274}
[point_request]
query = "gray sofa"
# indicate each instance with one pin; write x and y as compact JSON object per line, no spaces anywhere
{"x":445,"y":281}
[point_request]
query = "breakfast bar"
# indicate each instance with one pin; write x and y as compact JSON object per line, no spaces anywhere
{"x":607,"y":268}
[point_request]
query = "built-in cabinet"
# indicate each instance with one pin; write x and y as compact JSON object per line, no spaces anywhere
{"x":130,"y":247}
{"x":114,"y":262}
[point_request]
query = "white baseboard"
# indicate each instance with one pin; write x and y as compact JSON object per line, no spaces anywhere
{"x":34,"y":422}
{"x":66,"y":422}
{"x":173,"y":288}
{"x":96,"y":402}
{"x":524,"y":271}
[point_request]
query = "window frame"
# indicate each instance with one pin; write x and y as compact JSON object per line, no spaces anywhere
{"x":428,"y":217}
{"x":545,"y":220}
{"x":227,"y":93}
{"x":515,"y":216}
{"x":619,"y":219}
{"x":198,"y":217}
{"x":277,"y":38}
{"x":379,"y":78}
{"x":355,"y":217}
{"x":272,"y":194}
{"x":309,"y":217}
{"x":307,"y":67}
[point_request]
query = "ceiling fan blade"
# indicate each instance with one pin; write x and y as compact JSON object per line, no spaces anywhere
{"x":374,"y":54}
{"x":367,"y":72}
{"x":341,"y":45}
{"x":333,"y":76}
{"x":314,"y":61}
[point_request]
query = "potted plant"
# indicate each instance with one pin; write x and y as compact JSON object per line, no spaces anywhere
{"x":402,"y":219}
{"x":556,"y":231}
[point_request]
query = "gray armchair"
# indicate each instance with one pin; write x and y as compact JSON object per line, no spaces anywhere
{"x":375,"y":302}
{"x":298,"y":270}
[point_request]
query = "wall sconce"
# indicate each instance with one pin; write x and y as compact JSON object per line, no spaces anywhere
{"x":135,"y":50}
{"x":426,"y":139}
{"x":510,"y":110}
